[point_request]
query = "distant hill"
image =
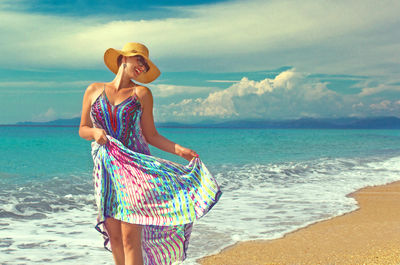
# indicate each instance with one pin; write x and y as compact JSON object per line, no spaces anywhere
{"x":302,"y":123}
{"x":312,"y":123}
{"x":60,"y":122}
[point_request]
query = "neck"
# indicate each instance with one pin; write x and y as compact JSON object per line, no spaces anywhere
{"x":121,"y":80}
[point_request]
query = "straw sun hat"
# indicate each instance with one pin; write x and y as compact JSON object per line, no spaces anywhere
{"x":131,"y":49}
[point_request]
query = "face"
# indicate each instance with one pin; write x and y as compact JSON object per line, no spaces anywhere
{"x":136,"y":65}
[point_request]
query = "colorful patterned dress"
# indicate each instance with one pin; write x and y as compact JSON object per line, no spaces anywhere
{"x":135,"y":187}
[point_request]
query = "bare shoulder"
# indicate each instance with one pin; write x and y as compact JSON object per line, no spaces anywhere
{"x":94,"y":87}
{"x":143,"y":91}
{"x":93,"y":91}
{"x":144,"y":94}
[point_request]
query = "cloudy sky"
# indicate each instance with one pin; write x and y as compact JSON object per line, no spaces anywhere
{"x":220,"y":60}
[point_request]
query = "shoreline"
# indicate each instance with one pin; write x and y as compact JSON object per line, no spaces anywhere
{"x":367,"y":235}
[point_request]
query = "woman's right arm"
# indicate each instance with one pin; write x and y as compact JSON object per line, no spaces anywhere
{"x":86,"y":130}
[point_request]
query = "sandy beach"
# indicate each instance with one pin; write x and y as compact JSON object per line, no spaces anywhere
{"x":369,"y":235}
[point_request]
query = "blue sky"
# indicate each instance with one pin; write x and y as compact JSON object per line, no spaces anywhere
{"x":220,"y":60}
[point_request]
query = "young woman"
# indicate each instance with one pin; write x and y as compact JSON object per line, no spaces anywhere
{"x":146,"y":204}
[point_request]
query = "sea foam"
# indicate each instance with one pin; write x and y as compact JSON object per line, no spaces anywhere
{"x":53,"y":221}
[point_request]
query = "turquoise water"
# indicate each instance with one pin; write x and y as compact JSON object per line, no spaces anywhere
{"x":273,"y":181}
{"x":46,"y":151}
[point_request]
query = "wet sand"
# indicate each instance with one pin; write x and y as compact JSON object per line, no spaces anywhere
{"x":369,"y":235}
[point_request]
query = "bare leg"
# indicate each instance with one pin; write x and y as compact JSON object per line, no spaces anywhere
{"x":131,"y":238}
{"x":114,"y":232}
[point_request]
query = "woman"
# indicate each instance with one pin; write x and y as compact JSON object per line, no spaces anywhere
{"x":146,"y":204}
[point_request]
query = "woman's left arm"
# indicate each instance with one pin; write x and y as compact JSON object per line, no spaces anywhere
{"x":150,"y":132}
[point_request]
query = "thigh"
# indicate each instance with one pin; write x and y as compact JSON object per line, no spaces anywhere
{"x":131,"y":233}
{"x":113,"y":227}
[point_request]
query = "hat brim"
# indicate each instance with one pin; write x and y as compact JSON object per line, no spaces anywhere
{"x":111,"y":60}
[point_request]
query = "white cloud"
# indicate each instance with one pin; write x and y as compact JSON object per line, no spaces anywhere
{"x":383,"y":105}
{"x":357,"y":37}
{"x":223,"y":81}
{"x":36,"y":91}
{"x":281,"y":97}
{"x":167,"y":90}
{"x":385,"y":108}
{"x":367,"y":91}
{"x":44,"y":84}
{"x":48,"y":115}
{"x":357,"y":105}
{"x":51,"y":114}
{"x":289,"y":95}
{"x":331,"y":36}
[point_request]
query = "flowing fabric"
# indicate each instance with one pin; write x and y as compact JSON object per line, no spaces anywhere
{"x":135,"y":187}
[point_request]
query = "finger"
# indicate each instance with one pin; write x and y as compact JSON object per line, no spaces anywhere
{"x":103,"y":139}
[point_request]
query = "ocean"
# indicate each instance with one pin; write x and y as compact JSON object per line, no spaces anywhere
{"x":274,"y":181}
